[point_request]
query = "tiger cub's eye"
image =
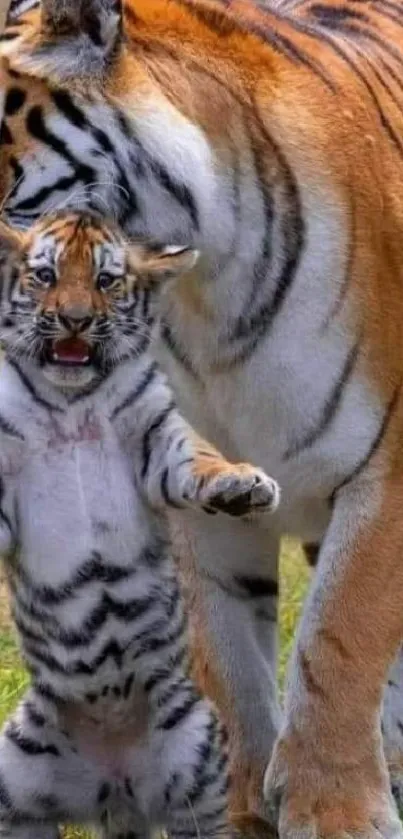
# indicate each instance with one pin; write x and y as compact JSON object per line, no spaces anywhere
{"x":105,"y":281}
{"x":45,"y":276}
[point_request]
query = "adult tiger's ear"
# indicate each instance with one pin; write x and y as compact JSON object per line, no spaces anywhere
{"x":162,"y":262}
{"x":70,"y":41}
{"x":99,"y":19}
{"x":85,"y":33}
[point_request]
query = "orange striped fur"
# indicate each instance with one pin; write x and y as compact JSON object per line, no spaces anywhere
{"x":272,"y":140}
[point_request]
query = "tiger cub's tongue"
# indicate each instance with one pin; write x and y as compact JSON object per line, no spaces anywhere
{"x":71,"y":351}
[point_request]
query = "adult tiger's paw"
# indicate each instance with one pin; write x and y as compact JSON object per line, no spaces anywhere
{"x":311,"y":798}
{"x":240,"y":490}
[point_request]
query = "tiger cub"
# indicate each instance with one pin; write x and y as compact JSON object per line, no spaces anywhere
{"x":112,"y":731}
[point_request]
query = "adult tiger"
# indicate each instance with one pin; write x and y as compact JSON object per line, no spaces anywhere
{"x":273,"y":142}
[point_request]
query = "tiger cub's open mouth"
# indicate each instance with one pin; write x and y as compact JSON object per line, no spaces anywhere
{"x":70,"y":351}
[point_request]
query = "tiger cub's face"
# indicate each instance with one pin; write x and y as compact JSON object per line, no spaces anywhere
{"x":76,"y":298}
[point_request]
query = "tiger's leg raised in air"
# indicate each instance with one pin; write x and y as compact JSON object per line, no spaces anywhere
{"x":328,"y":775}
{"x":230,"y":582}
{"x":43,"y":781}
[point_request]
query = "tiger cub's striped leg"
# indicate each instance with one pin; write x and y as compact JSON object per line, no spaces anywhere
{"x":229,"y":572}
{"x":392,"y":726}
{"x":43,"y":781}
{"x":124,"y":823}
{"x":185,"y":470}
{"x":190,"y":746}
{"x":328,"y":774}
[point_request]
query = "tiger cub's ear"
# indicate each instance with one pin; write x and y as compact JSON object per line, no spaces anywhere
{"x":11,"y":240}
{"x":159,"y":263}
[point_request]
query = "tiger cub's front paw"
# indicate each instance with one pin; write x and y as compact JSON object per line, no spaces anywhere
{"x":240,"y":491}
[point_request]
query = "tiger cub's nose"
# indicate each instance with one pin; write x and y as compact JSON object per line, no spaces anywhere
{"x":75,"y":318}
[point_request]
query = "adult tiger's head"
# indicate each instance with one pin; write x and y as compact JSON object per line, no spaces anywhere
{"x":76,"y":297}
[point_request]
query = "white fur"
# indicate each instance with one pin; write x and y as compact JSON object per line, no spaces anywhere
{"x":262,"y":408}
{"x":74,"y":489}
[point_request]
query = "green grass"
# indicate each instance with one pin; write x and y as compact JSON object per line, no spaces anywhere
{"x":294,"y":582}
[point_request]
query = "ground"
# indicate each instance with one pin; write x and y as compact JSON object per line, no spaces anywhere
{"x":294,"y":581}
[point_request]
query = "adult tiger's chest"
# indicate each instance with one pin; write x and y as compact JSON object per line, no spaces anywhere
{"x":304,"y":411}
{"x":297,"y":401}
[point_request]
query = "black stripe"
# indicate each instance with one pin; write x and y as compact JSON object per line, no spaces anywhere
{"x":338,"y":304}
{"x":373,"y":448}
{"x":204,"y":753}
{"x":220,"y":23}
{"x":147,"y":379}
{"x":35,"y":717}
{"x":25,"y":631}
{"x":165,"y":490}
{"x":151,"y":639}
{"x":93,"y":570}
{"x":179,"y":191}
{"x":3,"y":516}
{"x":125,"y":611}
{"x":320,"y":35}
{"x":63,"y":184}
{"x":374,"y":39}
{"x":129,"y":788}
{"x":330,"y":408}
{"x":45,"y":691}
{"x":177,"y":715}
{"x":147,"y":439}
{"x":31,"y":389}
{"x":6,"y":801}
{"x":111,"y":649}
{"x":37,"y":127}
{"x":128,"y":686}
{"x":171,"y":343}
{"x":66,"y":105}
{"x":9,"y":36}
{"x":27,"y":744}
{"x":153,"y":645}
{"x":10,"y":429}
{"x":14,"y":100}
{"x":6,"y":137}
{"x":252,"y":328}
{"x":391,"y":12}
{"x":160,"y":676}
{"x":104,"y":793}
{"x":261,"y":265}
{"x":257,"y":586}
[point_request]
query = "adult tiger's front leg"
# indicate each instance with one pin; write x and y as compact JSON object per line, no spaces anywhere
{"x":392,"y":713}
{"x":231,"y":590}
{"x":328,"y":775}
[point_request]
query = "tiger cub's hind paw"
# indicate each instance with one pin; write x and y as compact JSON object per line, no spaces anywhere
{"x":241,"y":490}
